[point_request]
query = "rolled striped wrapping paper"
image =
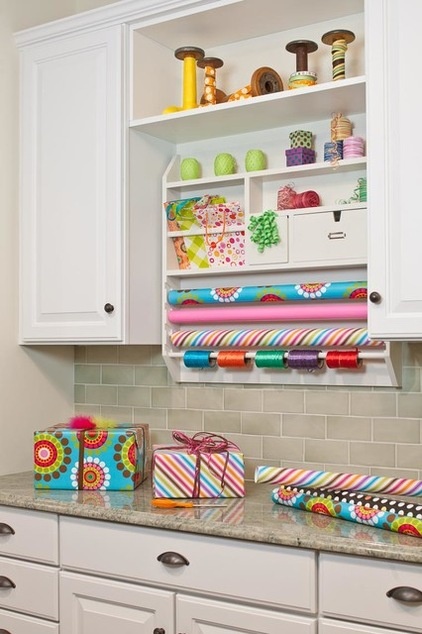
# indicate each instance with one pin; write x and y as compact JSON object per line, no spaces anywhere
{"x":264,"y":337}
{"x":352,"y":290}
{"x":332,"y":480}
{"x":394,"y":515}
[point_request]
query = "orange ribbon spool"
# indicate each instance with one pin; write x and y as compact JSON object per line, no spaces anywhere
{"x":232,"y":359}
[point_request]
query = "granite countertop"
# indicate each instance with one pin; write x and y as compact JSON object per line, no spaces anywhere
{"x":253,"y":518}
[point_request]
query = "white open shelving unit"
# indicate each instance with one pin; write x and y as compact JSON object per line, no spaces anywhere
{"x":305,"y":252}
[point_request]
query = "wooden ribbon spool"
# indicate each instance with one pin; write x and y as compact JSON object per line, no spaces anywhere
{"x":211,"y":94}
{"x":264,"y":81}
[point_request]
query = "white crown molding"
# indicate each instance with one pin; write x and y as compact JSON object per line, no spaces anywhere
{"x":123,"y":12}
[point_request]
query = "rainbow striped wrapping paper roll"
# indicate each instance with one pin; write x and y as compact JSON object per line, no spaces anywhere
{"x":264,"y":337}
{"x":392,"y":515}
{"x":221,"y":475}
{"x":327,"y":479}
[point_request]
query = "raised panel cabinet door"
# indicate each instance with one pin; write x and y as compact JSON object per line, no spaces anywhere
{"x":201,"y":616}
{"x":71,"y":188}
{"x":92,"y":605}
{"x":395,"y":220}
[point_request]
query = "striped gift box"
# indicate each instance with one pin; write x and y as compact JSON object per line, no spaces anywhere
{"x":181,"y":473}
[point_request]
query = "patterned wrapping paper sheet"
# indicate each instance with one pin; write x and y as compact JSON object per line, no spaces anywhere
{"x":221,"y":475}
{"x":113,"y":459}
{"x":383,"y":512}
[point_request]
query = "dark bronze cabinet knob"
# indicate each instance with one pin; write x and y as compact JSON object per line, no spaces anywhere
{"x":159,"y":630}
{"x":109,"y":308}
{"x":375,"y":297}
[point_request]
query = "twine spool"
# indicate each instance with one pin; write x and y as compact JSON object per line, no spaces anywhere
{"x":341,"y":128}
{"x":304,"y":359}
{"x":343,"y":359}
{"x":232,"y":359}
{"x":353,"y":147}
{"x":333,"y":151}
{"x":338,"y":57}
{"x":285,"y":198}
{"x":198,"y":359}
{"x":270,"y":359}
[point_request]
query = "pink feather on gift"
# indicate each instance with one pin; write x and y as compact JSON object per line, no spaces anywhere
{"x":82,"y":422}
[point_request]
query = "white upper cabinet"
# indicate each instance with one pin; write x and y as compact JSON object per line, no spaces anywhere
{"x":72,"y":270}
{"x":395,"y":221}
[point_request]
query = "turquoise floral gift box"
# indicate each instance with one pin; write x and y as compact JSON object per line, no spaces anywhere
{"x":113,"y":458}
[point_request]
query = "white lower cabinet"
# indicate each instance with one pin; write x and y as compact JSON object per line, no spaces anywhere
{"x":370,"y":592}
{"x":91,"y":604}
{"x":209,"y":585}
{"x":29,"y":590}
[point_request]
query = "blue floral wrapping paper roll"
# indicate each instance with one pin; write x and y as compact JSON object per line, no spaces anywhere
{"x":390,"y":514}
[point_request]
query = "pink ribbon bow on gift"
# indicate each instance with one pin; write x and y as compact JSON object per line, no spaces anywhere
{"x":201,"y":444}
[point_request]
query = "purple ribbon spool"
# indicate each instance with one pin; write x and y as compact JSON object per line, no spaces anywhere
{"x":304,"y":359}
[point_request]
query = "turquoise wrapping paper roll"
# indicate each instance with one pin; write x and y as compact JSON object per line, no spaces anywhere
{"x":355,"y":290}
{"x":379,"y":512}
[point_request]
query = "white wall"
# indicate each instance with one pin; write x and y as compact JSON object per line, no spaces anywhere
{"x":36,"y":384}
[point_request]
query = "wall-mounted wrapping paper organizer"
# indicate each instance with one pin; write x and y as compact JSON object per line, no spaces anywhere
{"x":265,"y":312}
{"x":393,"y":515}
{"x":332,"y":480}
{"x":351,"y":290}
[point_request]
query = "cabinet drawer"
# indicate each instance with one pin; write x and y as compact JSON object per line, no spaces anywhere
{"x":223,"y":567}
{"x":318,"y":238}
{"x":29,"y":535}
{"x":194,"y":614}
{"x":355,"y":588}
{"x":35,"y":591}
{"x":326,"y":626}
{"x":22,"y":624}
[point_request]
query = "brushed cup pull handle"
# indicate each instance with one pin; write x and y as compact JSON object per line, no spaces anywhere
{"x":5,"y":529}
{"x":5,"y":582}
{"x":406,"y":594}
{"x":170,"y":558}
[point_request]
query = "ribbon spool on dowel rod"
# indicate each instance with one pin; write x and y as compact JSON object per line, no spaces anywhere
{"x":305,"y":359}
{"x":338,"y":40}
{"x":232,"y":359}
{"x":270,"y":359}
{"x":198,"y":359}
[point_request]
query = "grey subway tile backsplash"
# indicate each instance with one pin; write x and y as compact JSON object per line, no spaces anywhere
{"x":356,"y":430}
